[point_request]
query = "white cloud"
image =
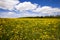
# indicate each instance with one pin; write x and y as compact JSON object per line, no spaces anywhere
{"x":37,"y":9}
{"x":26,"y":9}
{"x":27,"y":14}
{"x":8,"y":15}
{"x":47,"y":9}
{"x":8,"y":4}
{"x":26,"y":6}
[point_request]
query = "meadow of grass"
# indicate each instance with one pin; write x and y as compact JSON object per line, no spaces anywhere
{"x":30,"y":29}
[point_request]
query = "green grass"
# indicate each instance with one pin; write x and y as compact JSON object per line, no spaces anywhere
{"x":30,"y":29}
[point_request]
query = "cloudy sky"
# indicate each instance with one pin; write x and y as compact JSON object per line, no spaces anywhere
{"x":24,"y":8}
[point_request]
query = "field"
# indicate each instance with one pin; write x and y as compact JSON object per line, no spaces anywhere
{"x":30,"y":29}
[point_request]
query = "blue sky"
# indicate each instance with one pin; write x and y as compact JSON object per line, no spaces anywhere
{"x":24,"y":8}
{"x":53,"y":3}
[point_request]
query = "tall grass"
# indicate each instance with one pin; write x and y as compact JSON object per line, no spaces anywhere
{"x":30,"y":29}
